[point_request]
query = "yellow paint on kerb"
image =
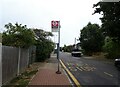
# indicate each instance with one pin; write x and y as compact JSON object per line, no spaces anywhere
{"x":71,"y":75}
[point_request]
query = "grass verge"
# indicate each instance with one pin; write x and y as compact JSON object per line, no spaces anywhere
{"x":24,"y":78}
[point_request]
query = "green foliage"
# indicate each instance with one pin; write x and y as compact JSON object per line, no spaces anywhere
{"x":42,"y":35}
{"x":23,"y":83}
{"x":0,"y":38}
{"x":112,"y":48}
{"x":64,"y":48}
{"x":43,"y":50}
{"x":67,"y":48}
{"x":110,"y":26}
{"x":18,"y":35}
{"x":44,"y":46}
{"x":110,"y":19}
{"x":91,"y":38}
{"x":23,"y":79}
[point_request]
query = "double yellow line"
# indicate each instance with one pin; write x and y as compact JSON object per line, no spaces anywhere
{"x":71,"y":75}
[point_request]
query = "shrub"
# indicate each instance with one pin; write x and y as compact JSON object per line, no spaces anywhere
{"x":43,"y":50}
{"x":112,"y":48}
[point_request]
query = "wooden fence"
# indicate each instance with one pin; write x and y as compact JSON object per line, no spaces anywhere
{"x":15,"y":61}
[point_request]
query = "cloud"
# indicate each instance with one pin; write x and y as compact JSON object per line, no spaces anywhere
{"x":73,"y":14}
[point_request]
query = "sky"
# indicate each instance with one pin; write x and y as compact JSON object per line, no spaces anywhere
{"x":72,"y":14}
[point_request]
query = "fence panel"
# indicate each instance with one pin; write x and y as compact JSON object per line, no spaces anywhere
{"x":24,"y":59}
{"x":15,"y":60}
{"x":32,"y":54}
{"x":9,"y":63}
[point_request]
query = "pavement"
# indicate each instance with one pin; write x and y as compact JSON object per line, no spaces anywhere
{"x":46,"y":74}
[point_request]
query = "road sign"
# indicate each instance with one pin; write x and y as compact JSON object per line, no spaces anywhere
{"x":55,"y":26}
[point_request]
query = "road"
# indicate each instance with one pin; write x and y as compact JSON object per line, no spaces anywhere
{"x":90,"y":72}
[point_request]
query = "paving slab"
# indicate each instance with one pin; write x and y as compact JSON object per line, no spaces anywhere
{"x":46,"y":74}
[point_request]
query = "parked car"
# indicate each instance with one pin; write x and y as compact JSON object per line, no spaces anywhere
{"x":117,"y":62}
{"x":76,"y":53}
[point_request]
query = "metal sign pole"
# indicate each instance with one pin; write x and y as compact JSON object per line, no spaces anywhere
{"x":58,"y":54}
{"x":0,"y":64}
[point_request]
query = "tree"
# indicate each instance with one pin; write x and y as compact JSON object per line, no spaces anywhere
{"x":110,"y":19}
{"x":41,"y":35}
{"x":91,"y":38}
{"x":67,"y":48}
{"x":18,"y":35}
{"x":0,"y":38}
{"x":110,"y":26}
{"x":44,"y":46}
{"x":112,"y":48}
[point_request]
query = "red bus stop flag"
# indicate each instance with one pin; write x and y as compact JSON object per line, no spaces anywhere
{"x":55,"y":26}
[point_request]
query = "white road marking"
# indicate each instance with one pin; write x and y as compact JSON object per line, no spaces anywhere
{"x":108,"y":74}
{"x":79,"y":68}
{"x":83,"y":68}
